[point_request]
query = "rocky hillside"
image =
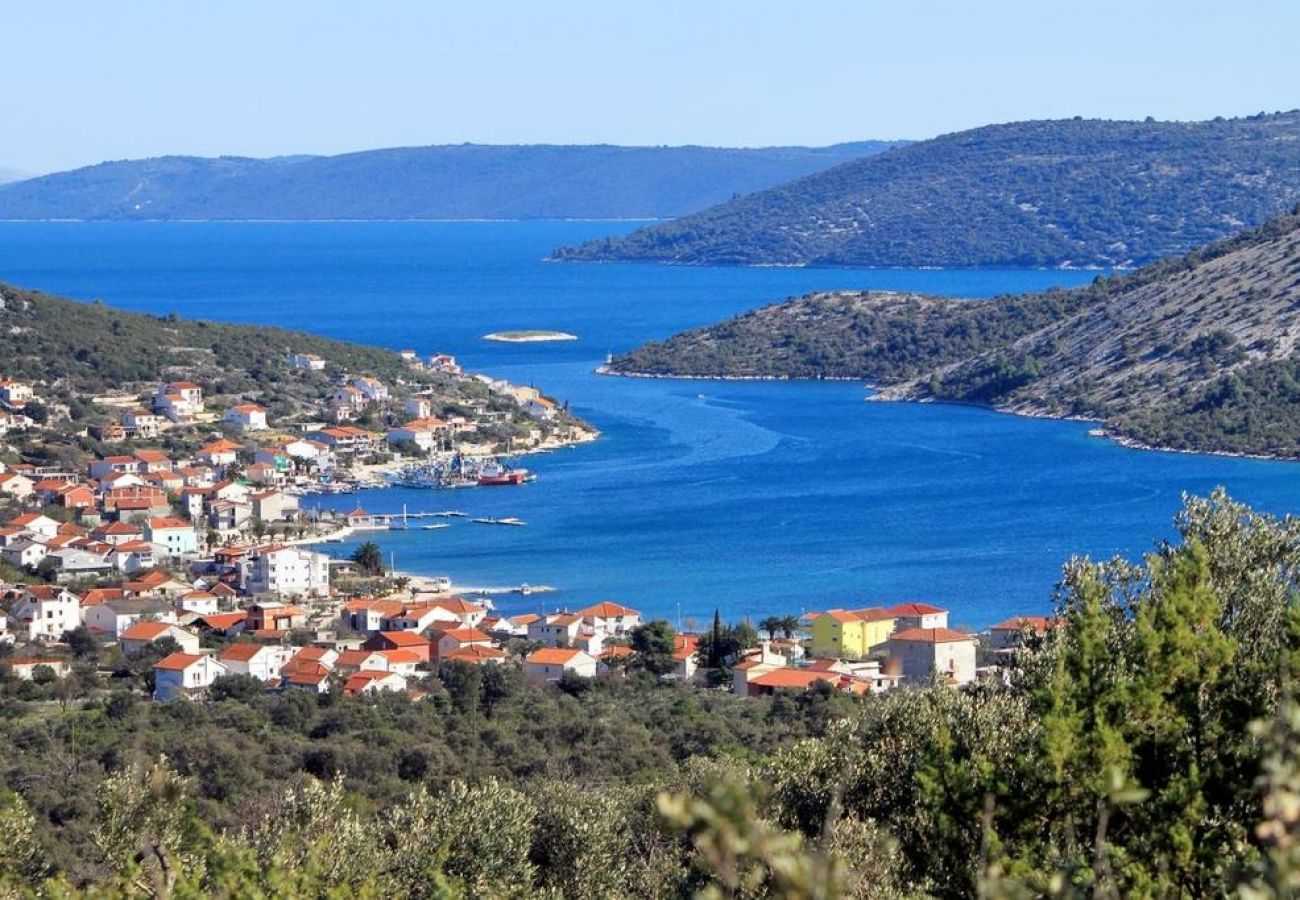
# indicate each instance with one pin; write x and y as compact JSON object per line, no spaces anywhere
{"x":1197,"y":352}
{"x":466,"y":181}
{"x":1050,"y":193}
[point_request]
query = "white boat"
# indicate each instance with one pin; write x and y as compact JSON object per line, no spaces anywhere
{"x":435,"y":527}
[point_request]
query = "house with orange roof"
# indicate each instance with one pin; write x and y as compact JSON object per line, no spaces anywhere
{"x":74,"y":496}
{"x":919,"y":615}
{"x":179,"y":401}
{"x":272,"y":616}
{"x":14,"y":485}
{"x":559,"y":629}
{"x":307,"y":657}
{"x":851,"y":633}
{"x":101,"y":595}
{"x":261,"y":661}
{"x":426,"y":433}
{"x":400,"y":640}
{"x":132,"y":556}
{"x":920,"y":654}
{"x":223,"y":623}
{"x":37,"y":524}
{"x":152,"y":461}
{"x":246,"y":417}
{"x":476,"y":654}
{"x":369,"y":681}
{"x":612,"y":618}
{"x":115,"y":533}
{"x":185,"y":675}
{"x":312,"y":677}
{"x":175,"y":537}
{"x":469,"y":614}
{"x":753,"y":663}
{"x":113,"y":617}
{"x":1010,"y":633}
{"x":419,"y":616}
{"x":137,"y":639}
{"x":219,"y":453}
{"x":787,"y":678}
{"x":685,"y":648}
{"x":454,"y":639}
{"x":550,"y":664}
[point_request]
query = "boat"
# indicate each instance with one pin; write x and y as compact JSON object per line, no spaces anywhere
{"x":508,"y":520}
{"x":435,"y":526}
{"x":494,"y":474}
{"x":450,"y":514}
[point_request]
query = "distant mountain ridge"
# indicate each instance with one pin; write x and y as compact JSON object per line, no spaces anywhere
{"x":1084,"y":193}
{"x":465,"y":181}
{"x":1199,"y":352}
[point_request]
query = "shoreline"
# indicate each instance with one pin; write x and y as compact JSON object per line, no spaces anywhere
{"x":1128,"y":443}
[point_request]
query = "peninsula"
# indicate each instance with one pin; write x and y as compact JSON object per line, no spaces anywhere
{"x":1070,"y":192}
{"x":1192,"y":353}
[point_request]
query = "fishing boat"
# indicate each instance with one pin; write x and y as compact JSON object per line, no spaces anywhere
{"x":435,"y":526}
{"x":508,"y":520}
{"x":493,"y":474}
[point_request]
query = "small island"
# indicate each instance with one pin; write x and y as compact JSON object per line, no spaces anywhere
{"x":529,"y":337}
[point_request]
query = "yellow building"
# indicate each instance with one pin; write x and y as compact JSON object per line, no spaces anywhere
{"x":850,"y":633}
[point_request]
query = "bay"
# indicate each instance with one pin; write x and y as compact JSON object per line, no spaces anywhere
{"x":750,"y":497}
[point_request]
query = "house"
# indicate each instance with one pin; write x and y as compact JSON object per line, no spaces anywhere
{"x":789,"y":679}
{"x":113,"y":617}
{"x":137,"y":639}
{"x":114,"y":533}
{"x":346,"y":440}
{"x":140,"y":423}
{"x":753,"y":664}
{"x":272,"y":616}
{"x":185,"y":675}
{"x":922,"y":653}
{"x":417,"y":617}
{"x":223,"y":623}
{"x":286,"y":571}
{"x":175,"y":537}
{"x":444,"y":364}
{"x":550,"y":664}
{"x":132,"y":556}
{"x":418,"y":407}
{"x":273,"y":506}
{"x":426,"y":433}
{"x":74,"y":564}
{"x":346,"y":403}
{"x":23,"y":553}
{"x":469,"y":614}
{"x":400,"y":640}
{"x":454,"y":639}
{"x":179,"y":401}
{"x":918,"y":615}
{"x":261,"y":661}
{"x":612,"y":618}
{"x":148,"y":461}
{"x":75,"y":497}
{"x":1010,"y":633}
{"x":44,"y":612}
{"x":309,"y":658}
{"x":854,"y":633}
{"x":266,"y":473}
{"x":14,"y":485}
{"x":556,"y":630}
{"x":310,"y":677}
{"x":24,"y":667}
{"x":219,"y":453}
{"x":372,"y":682}
{"x":198,"y":603}
{"x":15,"y":394}
{"x":476,"y":655}
{"x":156,"y":584}
{"x":371,"y":387}
{"x":308,"y":362}
{"x":37,"y":524}
{"x":246,"y":417}
{"x":542,"y":407}
{"x":685,"y":648}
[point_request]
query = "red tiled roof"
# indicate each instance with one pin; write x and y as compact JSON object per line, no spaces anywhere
{"x":609,"y":610}
{"x":930,"y":636}
{"x":553,"y":656}
{"x":177,"y":662}
{"x":474,"y":653}
{"x":145,"y":631}
{"x":915,"y":609}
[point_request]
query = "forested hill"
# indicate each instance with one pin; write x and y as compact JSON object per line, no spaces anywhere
{"x":1048,"y":193}
{"x":466,"y":181}
{"x":1197,"y":352}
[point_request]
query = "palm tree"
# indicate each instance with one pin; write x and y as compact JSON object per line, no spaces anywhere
{"x":368,"y":559}
{"x":789,"y":625}
{"x":772,"y":624}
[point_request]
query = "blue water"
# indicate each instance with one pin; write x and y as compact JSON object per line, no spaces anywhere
{"x":752,"y":497}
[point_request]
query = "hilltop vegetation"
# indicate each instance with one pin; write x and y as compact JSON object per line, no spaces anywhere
{"x":1197,"y":352}
{"x":1048,"y":193}
{"x":466,"y":181}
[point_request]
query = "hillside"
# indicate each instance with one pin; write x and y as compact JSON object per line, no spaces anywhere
{"x":465,"y":181}
{"x":87,"y":362}
{"x":1052,"y":193}
{"x":1197,"y":352}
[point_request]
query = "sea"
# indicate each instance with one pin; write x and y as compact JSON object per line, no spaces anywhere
{"x":751,"y":498}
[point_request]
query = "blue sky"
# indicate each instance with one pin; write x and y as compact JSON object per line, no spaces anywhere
{"x":88,"y":81}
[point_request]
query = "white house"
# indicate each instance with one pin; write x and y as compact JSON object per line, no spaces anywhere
{"x":374,"y":390}
{"x":37,"y":524}
{"x":14,"y":394}
{"x":550,"y":664}
{"x":141,"y":423}
{"x":199,"y":603}
{"x":12,"y":484}
{"x":246,"y":416}
{"x":372,"y":682}
{"x":612,"y":618}
{"x":45,"y":612}
{"x":308,"y":362}
{"x":185,"y":675}
{"x":425,"y":433}
{"x":179,"y":401}
{"x":261,"y":661}
{"x":113,"y":617}
{"x":922,"y":653}
{"x":287,"y":571}
{"x":23,"y":553}
{"x":557,"y":630}
{"x":418,"y":407}
{"x":138,"y":638}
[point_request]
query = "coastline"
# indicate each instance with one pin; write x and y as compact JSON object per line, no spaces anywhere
{"x":1125,"y":441}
